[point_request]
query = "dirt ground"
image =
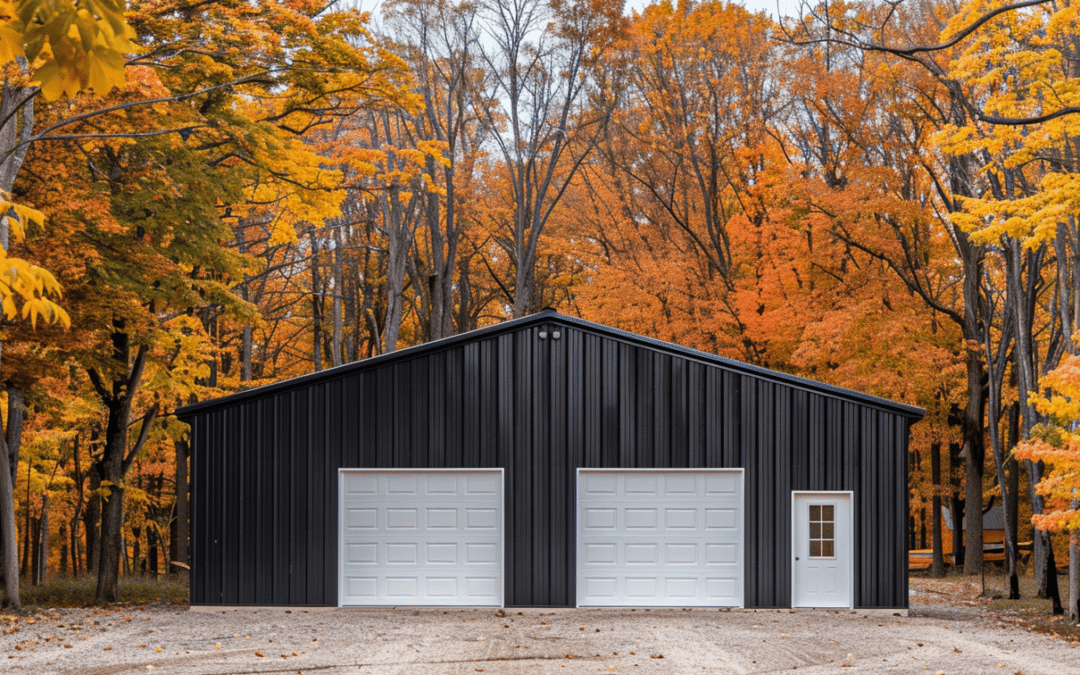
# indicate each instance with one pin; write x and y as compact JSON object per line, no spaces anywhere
{"x":949,"y":630}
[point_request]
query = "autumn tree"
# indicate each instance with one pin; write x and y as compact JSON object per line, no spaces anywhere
{"x":1056,"y":444}
{"x":439,"y":40}
{"x":223,"y":126}
{"x":53,"y":49}
{"x":688,"y":143}
{"x":1020,"y":75}
{"x":542,"y":109}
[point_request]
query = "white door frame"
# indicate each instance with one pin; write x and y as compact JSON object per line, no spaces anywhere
{"x":502,"y":520}
{"x":850,"y":497}
{"x":739,"y":471}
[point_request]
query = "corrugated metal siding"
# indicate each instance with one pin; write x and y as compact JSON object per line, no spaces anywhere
{"x":264,"y":469}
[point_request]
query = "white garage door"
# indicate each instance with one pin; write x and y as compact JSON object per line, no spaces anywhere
{"x":662,"y":538}
{"x":421,"y":537}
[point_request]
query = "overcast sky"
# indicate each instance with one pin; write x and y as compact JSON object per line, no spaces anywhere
{"x":787,"y":7}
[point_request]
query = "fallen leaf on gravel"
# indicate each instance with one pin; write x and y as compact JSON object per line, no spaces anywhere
{"x":259,"y":654}
{"x":67,"y":646}
{"x":833,"y":642}
{"x":479,"y":639}
{"x":581,"y":627}
{"x":127,"y":618}
{"x":217,"y":645}
{"x":957,"y":650}
{"x":783,"y":634}
{"x":142,"y":644}
{"x":159,"y":649}
{"x":850,"y":655}
{"x":656,"y":656}
{"x":108,"y":648}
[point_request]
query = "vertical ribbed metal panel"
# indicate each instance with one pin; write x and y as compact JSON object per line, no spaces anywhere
{"x":264,"y":508}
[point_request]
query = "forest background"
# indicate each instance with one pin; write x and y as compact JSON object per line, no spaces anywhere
{"x":203,"y":197}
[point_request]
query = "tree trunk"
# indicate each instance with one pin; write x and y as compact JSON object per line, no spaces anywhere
{"x":974,"y":460}
{"x":116,"y":458}
{"x":137,"y":563}
{"x":73,"y":535}
{"x":316,"y":304}
{"x":1042,"y":551}
{"x":152,"y":551}
{"x":1012,"y":501}
{"x":246,"y":335}
{"x":28,"y":548}
{"x":180,"y":553}
{"x":42,"y":568}
{"x":1052,"y":590}
{"x":937,"y":567}
{"x":9,"y":536}
{"x":525,"y":284}
{"x":61,"y":534}
{"x":112,"y":511}
{"x":16,"y":126}
{"x":336,"y":350}
{"x":92,"y":522}
{"x":400,"y":237}
{"x":1074,"y":573}
{"x":922,"y":527}
{"x":956,"y":505}
{"x":32,"y":555}
{"x":77,"y":514}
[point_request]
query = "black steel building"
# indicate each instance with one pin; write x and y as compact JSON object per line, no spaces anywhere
{"x":549,"y":461}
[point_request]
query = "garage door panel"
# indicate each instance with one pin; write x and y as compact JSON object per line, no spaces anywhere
{"x":443,"y":546}
{"x":660,"y":538}
{"x":361,"y":519}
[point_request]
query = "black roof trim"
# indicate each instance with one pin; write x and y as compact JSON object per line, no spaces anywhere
{"x":546,"y":316}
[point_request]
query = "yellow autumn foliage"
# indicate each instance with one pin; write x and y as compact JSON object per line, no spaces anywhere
{"x":1057,"y":444}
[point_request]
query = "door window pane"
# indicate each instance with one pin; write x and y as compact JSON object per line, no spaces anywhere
{"x":822,"y":540}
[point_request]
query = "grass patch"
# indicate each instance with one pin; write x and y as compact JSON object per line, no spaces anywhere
{"x":1029,"y":612}
{"x":66,"y":591}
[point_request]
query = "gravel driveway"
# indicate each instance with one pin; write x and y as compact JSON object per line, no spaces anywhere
{"x":941,"y":636}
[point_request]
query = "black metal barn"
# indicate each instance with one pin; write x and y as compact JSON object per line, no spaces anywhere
{"x":540,"y":397}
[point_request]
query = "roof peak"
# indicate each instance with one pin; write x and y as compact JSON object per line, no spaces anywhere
{"x":550,"y":313}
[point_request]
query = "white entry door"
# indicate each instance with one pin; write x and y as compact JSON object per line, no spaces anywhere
{"x":823,"y":547}
{"x":661,"y":538}
{"x":420,"y":537}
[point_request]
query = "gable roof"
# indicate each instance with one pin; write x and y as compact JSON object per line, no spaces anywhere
{"x":549,"y":316}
